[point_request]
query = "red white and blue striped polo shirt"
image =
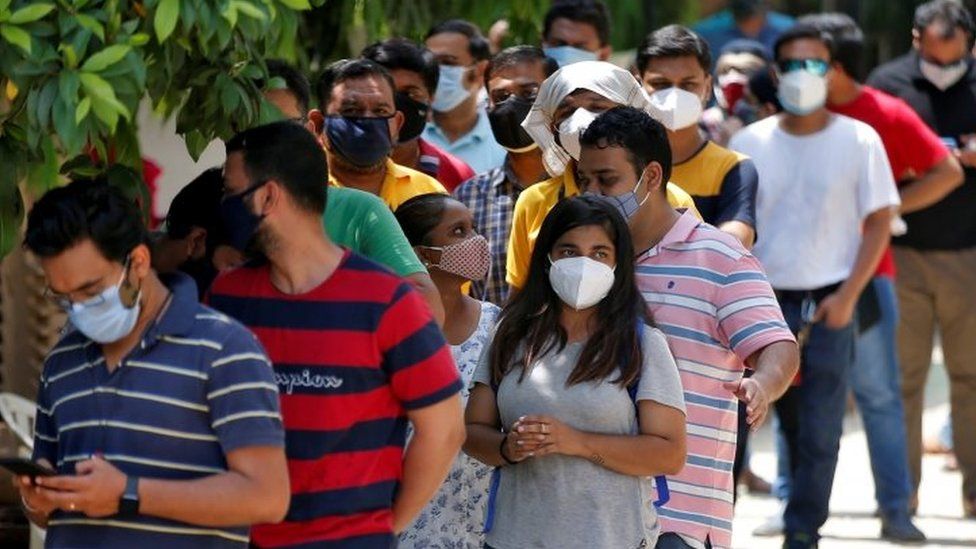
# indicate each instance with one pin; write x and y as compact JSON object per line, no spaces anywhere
{"x":711,"y":299}
{"x":350,"y":358}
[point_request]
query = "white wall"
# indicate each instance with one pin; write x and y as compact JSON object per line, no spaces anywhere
{"x":160,"y":144}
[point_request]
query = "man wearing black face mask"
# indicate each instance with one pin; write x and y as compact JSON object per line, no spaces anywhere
{"x":513,"y":78}
{"x":415,"y":73}
{"x":361,"y":124}
{"x":936,"y":258}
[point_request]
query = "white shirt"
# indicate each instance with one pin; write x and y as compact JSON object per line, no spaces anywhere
{"x":814,"y":193}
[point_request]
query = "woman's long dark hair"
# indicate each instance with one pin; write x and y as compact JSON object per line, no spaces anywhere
{"x":531,"y":318}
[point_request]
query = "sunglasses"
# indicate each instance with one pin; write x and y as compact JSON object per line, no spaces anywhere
{"x":815,"y":66}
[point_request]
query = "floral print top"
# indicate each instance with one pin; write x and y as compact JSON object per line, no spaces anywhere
{"x":454,"y":518}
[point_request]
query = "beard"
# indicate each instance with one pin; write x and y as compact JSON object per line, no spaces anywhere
{"x":336,"y":160}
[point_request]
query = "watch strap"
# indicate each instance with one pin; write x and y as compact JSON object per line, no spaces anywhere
{"x":129,"y":502}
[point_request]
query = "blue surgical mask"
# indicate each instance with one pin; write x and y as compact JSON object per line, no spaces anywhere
{"x":361,"y":141}
{"x":450,"y":88}
{"x":240,"y":223}
{"x":104,"y":318}
{"x":567,"y":55}
{"x":627,"y":203}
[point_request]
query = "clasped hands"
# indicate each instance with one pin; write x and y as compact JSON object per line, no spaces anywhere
{"x":536,"y":436}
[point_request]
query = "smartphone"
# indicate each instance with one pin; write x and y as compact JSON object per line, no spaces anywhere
{"x":25,"y":468}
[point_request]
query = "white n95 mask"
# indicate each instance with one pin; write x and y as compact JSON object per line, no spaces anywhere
{"x":580,"y":282}
{"x":676,"y":108}
{"x":571,"y":129}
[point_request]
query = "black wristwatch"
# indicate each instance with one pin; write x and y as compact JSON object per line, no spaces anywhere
{"x":129,"y":502}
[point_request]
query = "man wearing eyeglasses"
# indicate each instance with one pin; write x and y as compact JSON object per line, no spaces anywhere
{"x":824,"y":206}
{"x":159,"y":415}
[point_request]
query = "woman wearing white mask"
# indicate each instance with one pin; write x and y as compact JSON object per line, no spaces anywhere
{"x":441,"y":230}
{"x":578,"y":400}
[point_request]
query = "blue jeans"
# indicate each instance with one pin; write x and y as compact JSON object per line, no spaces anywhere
{"x":810,"y":419}
{"x":876,"y":380}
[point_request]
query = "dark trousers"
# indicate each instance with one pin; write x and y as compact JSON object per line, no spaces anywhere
{"x":811,"y":415}
{"x":741,"y":446}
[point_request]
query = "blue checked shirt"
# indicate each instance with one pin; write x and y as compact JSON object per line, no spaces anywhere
{"x":491,"y":198}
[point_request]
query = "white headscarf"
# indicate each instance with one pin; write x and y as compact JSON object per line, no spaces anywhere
{"x":600,"y":77}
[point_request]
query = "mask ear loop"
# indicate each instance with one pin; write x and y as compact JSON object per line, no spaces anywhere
{"x":647,"y":194}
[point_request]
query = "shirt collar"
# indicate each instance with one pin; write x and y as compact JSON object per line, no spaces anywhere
{"x":178,"y":317}
{"x":509,"y":175}
{"x":679,"y":232}
{"x":480,"y":133}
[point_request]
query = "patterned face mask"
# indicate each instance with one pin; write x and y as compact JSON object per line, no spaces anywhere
{"x":468,"y":259}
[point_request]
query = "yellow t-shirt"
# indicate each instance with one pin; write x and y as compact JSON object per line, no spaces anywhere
{"x":722,"y":182}
{"x":532,"y":207}
{"x":401,"y":184}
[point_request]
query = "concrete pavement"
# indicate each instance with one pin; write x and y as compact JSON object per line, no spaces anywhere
{"x":852,"y":523}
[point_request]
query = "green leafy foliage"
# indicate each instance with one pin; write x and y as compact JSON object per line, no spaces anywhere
{"x":73,"y":74}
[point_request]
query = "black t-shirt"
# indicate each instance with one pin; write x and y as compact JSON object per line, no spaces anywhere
{"x":949,"y":224}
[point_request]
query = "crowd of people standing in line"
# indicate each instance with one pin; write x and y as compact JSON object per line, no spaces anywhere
{"x":525,"y":298}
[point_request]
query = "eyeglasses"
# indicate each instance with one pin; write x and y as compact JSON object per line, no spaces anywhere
{"x":65,"y":302}
{"x":815,"y":66}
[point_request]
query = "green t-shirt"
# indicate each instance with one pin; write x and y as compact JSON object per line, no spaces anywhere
{"x":363,"y":223}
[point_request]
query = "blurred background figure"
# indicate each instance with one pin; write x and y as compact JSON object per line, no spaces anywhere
{"x":750,"y":19}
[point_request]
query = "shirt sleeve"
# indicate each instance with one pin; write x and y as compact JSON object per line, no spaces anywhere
{"x":659,"y":380}
{"x":415,"y":356}
{"x":519,"y":247}
{"x":242,"y":394}
{"x":737,"y":197}
{"x":383,"y":241}
{"x":749,"y":317}
{"x":45,"y":430}
{"x":876,"y":186}
{"x":921,"y":147}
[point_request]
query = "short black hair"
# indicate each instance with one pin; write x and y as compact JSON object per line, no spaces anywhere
{"x":746,"y":45}
{"x":400,"y":53}
{"x":744,"y":9}
{"x":590,"y":12}
{"x":85,"y":209}
{"x":847,"y":38}
{"x":198,"y":205}
{"x":478,"y":45}
{"x":295,"y":82}
{"x":288,"y":153}
{"x":762,"y":85}
{"x":420,"y":215}
{"x":516,"y":55}
{"x":674,"y":41}
{"x":644,"y":138}
{"x":802,"y":31}
{"x":950,"y":13}
{"x":350,"y":69}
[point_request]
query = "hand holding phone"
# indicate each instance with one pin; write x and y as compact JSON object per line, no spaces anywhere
{"x":22,"y":467}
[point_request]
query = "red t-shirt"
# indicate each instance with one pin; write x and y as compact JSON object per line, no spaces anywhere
{"x":911,"y":145}
{"x":350,"y":358}
{"x":443,"y":166}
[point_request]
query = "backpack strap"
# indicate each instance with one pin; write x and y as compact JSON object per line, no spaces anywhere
{"x":660,"y":481}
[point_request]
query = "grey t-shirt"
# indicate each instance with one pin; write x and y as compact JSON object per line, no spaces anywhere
{"x":563,"y":502}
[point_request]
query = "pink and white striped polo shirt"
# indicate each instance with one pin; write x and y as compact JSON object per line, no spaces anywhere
{"x":711,"y":299}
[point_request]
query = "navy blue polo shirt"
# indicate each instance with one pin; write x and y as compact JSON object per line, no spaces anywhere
{"x":196,"y":387}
